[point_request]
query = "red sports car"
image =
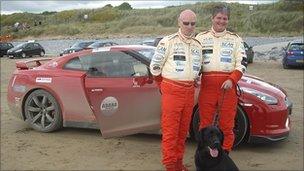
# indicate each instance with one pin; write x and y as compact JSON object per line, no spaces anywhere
{"x":111,"y":89}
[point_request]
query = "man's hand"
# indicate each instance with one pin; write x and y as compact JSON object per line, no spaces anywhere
{"x":227,"y":84}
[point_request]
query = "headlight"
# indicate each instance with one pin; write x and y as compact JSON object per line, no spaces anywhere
{"x":18,"y":50}
{"x":268,"y":99}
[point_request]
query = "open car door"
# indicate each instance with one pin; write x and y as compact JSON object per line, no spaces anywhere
{"x":123,"y":96}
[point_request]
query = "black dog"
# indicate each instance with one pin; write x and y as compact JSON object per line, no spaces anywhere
{"x":209,"y":154}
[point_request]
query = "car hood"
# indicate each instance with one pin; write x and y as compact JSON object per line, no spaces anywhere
{"x":253,"y":82}
{"x":14,"y":49}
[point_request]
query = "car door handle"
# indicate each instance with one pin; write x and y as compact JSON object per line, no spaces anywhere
{"x":97,"y":90}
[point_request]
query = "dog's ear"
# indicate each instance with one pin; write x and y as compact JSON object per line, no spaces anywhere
{"x":201,"y":135}
{"x":221,"y":137}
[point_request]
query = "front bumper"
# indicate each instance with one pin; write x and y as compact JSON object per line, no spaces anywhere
{"x":273,"y":135}
{"x":295,"y":62}
{"x":14,"y":54}
{"x":267,"y":139}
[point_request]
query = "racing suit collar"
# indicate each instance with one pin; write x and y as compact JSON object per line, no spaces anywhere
{"x":218,"y":34}
{"x":184,"y":38}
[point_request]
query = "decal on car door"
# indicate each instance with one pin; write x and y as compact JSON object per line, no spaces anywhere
{"x":109,"y":105}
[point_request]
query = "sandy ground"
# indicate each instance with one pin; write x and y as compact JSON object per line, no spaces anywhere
{"x":80,"y":149}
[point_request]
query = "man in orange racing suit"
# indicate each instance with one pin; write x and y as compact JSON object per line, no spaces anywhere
{"x":176,"y":64}
{"x":224,"y":62}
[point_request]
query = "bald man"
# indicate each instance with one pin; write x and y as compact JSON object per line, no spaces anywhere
{"x":175,"y":66}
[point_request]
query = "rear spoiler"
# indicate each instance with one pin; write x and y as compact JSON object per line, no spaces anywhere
{"x":31,"y":63}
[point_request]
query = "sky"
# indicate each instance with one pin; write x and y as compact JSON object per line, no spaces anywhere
{"x":38,"y":6}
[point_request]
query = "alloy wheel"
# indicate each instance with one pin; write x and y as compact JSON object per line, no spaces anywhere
{"x":42,"y":111}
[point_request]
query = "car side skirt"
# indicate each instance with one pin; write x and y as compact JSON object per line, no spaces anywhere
{"x":75,"y":124}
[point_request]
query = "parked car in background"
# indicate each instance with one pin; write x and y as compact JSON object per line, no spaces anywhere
{"x":111,"y":89}
{"x":293,"y":55}
{"x":249,"y":52}
{"x":27,"y":49}
{"x":152,"y":42}
{"x":149,"y":42}
{"x":79,"y":46}
{"x":99,"y":44}
{"x":4,"y":46}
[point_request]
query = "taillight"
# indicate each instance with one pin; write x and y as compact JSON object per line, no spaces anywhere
{"x":289,"y":53}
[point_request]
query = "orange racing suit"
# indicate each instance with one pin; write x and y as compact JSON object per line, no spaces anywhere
{"x":177,"y":61}
{"x":224,"y":58}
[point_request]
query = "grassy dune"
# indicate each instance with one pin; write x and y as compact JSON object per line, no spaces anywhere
{"x":284,"y":18}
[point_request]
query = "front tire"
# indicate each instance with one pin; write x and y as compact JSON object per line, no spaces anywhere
{"x":42,"y":53}
{"x":42,"y":111}
{"x":23,"y":55}
{"x":285,"y":66}
{"x":240,"y":126}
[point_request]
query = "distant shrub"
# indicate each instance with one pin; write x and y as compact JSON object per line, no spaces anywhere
{"x":124,"y":6}
{"x":48,"y":12}
{"x":105,"y":15}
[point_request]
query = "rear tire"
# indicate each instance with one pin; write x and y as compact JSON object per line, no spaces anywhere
{"x":42,"y":111}
{"x":240,"y":128}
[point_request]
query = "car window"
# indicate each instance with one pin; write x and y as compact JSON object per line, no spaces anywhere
{"x":36,"y":45}
{"x":113,"y":64}
{"x":30,"y":45}
{"x":73,"y":64}
{"x":82,"y":44}
{"x":3,"y":45}
{"x":297,"y":46}
{"x":108,"y":44}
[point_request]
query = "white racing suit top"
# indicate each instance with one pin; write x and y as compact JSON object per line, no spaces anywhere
{"x":222,"y":52}
{"x":177,"y":58}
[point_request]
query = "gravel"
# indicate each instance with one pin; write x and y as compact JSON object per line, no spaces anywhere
{"x":273,"y":52}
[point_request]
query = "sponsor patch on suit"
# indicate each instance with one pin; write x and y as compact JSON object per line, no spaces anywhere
{"x":227,"y":45}
{"x":179,"y":58}
{"x":207,"y":51}
{"x":225,"y":59}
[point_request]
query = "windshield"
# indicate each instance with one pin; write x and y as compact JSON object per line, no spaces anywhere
{"x":297,"y":46}
{"x":20,"y":45}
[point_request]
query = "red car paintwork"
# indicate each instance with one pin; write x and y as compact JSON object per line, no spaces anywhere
{"x":80,"y":96}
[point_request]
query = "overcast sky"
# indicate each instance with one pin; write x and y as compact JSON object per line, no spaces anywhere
{"x":38,"y":6}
